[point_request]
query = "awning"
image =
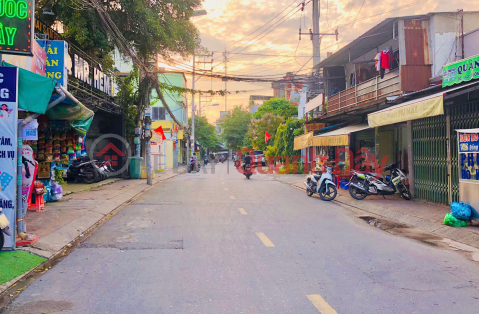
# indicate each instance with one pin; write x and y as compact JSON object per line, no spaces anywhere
{"x":34,"y":90}
{"x":303,"y":141}
{"x":339,"y":137}
{"x":315,"y":102}
{"x":424,"y":107}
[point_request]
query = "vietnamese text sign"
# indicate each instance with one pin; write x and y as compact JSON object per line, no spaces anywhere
{"x":57,"y":53}
{"x":8,"y":141}
{"x":469,"y":155}
{"x":460,"y":71}
{"x":16,"y":26}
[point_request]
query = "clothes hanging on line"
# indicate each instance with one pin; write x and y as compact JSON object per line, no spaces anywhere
{"x":385,"y":59}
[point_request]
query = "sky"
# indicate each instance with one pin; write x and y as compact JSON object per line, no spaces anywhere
{"x":277,"y":48}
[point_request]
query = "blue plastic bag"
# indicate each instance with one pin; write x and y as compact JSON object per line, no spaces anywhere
{"x":461,"y":210}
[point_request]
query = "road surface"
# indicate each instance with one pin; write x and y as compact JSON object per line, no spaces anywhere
{"x":218,"y":243}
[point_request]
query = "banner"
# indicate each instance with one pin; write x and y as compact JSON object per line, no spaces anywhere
{"x":460,"y":71}
{"x":56,"y":64}
{"x":8,"y":145}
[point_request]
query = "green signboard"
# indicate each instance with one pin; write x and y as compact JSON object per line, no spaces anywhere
{"x":16,"y":26}
{"x":460,"y":71}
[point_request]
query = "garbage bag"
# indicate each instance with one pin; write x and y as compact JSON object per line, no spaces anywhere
{"x":461,"y":210}
{"x":452,"y":221}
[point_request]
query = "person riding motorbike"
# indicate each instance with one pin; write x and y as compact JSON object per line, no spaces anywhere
{"x":247,"y":160}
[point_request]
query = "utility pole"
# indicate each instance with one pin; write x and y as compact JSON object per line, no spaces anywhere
{"x":225,"y":79}
{"x":316,"y":39}
{"x":193,"y":110}
{"x":462,"y":32}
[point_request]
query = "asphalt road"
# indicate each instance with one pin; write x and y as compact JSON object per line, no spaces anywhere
{"x":218,"y":243}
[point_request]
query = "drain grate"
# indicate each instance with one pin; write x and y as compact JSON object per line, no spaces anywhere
{"x":167,"y":245}
{"x":158,"y":203}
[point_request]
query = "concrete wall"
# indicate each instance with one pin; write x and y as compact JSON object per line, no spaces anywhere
{"x":172,"y":99}
{"x":445,"y":29}
{"x":471,"y":44}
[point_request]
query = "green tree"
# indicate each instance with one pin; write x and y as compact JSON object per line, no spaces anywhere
{"x":284,"y":140}
{"x":279,"y":106}
{"x":269,"y":122}
{"x":205,"y":132}
{"x":127,"y":99}
{"x":235,"y":127}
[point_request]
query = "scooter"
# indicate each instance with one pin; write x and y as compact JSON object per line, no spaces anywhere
{"x":247,"y":171}
{"x":205,"y":161}
{"x":103,"y":170}
{"x":83,"y":169}
{"x":364,"y":184}
{"x":321,"y":184}
{"x":4,"y":228}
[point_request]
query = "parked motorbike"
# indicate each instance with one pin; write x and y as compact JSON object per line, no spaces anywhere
{"x":103,"y":169}
{"x":322,"y":184}
{"x":364,"y":184}
{"x":247,"y":171}
{"x":83,"y":169}
{"x":4,"y":228}
{"x":205,"y":161}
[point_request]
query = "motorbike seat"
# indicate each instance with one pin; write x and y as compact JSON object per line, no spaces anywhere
{"x":317,"y":176}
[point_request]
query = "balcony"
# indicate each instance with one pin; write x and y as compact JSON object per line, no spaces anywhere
{"x":366,"y":93}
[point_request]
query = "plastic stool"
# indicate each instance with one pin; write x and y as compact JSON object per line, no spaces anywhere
{"x":39,"y":204}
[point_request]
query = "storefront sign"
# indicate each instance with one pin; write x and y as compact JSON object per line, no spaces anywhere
{"x":43,"y":28}
{"x":16,"y":27}
{"x":8,"y":144}
{"x":56,"y":67}
{"x":469,"y":142}
{"x":35,"y":63}
{"x":468,"y":155}
{"x":429,"y":106}
{"x":30,"y":131}
{"x":91,"y":75}
{"x":460,"y":71}
{"x":314,"y":126}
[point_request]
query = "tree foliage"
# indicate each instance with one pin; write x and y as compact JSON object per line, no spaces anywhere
{"x":127,"y":98}
{"x":235,"y":127}
{"x":279,"y":106}
{"x":205,"y":133}
{"x":284,"y":140}
{"x":269,"y":122}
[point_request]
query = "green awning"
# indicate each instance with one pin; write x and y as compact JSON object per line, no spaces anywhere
{"x":79,"y":116}
{"x":34,"y":90}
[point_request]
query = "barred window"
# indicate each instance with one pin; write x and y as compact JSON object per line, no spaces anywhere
{"x":159,"y":113}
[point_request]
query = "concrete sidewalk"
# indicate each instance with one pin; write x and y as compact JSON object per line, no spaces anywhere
{"x":415,"y":213}
{"x":81,"y":209}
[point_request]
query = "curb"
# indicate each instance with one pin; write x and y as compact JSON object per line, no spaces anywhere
{"x":18,"y":284}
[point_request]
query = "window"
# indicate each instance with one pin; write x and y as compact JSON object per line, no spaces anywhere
{"x":158,"y":113}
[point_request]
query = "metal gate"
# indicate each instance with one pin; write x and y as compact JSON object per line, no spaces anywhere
{"x":463,"y":116}
{"x":430,"y":159}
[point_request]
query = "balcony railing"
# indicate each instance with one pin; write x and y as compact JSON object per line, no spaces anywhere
{"x":366,"y":92}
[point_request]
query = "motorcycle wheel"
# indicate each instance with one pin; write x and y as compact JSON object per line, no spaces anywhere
{"x":309,"y":192}
{"x":356,"y":194}
{"x":91,"y":176}
{"x":2,"y":239}
{"x":247,"y":176}
{"x":332,"y":193}
{"x":189,"y":169}
{"x":404,"y":191}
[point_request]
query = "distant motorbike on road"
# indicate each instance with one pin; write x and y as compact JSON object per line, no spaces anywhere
{"x":247,"y":171}
{"x":363,"y":184}
{"x":193,"y":165}
{"x":322,"y":185}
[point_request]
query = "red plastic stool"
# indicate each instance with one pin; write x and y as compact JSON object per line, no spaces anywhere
{"x":38,"y":205}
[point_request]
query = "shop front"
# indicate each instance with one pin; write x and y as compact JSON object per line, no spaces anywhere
{"x":43,"y":130}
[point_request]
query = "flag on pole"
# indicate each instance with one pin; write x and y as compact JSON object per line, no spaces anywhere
{"x":267,"y":136}
{"x":160,"y":131}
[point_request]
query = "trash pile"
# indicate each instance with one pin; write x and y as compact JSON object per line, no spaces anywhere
{"x":460,"y":214}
